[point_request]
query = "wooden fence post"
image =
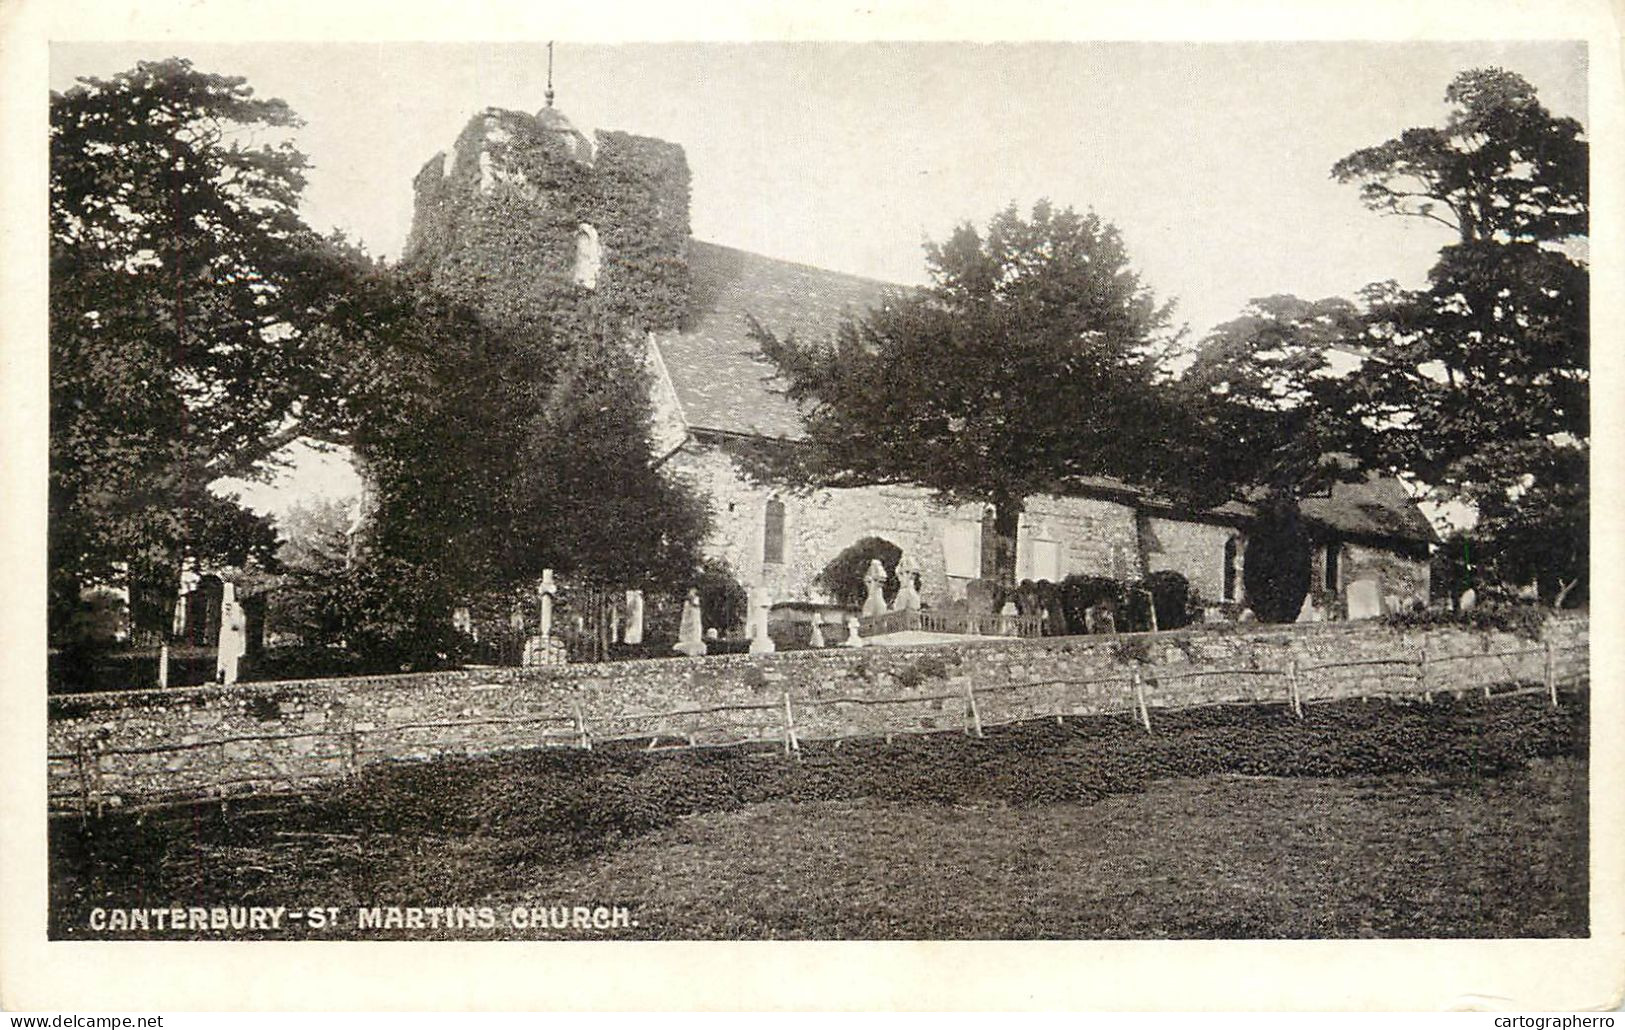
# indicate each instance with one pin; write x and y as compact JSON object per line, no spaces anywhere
{"x":82,"y":760}
{"x":791,"y":744}
{"x":1551,"y":674}
{"x":353,"y":759}
{"x":1139,"y":699}
{"x":581,"y":727}
{"x":1422,"y":672}
{"x":975,"y":716}
{"x":1292,"y":683}
{"x":163,"y":664}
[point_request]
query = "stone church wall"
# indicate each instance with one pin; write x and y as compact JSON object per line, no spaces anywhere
{"x":1195,"y":550}
{"x":1405,"y":579}
{"x":1094,"y":536}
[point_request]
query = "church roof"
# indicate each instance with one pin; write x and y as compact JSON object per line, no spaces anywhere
{"x":1377,"y":507}
{"x":722,"y":382}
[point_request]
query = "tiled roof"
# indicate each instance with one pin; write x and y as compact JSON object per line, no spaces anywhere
{"x":1377,"y":507}
{"x":722,"y":383}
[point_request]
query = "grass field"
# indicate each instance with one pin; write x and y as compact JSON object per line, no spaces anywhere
{"x":1459,"y":819}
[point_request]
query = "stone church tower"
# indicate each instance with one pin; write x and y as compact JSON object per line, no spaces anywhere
{"x":532,"y":222}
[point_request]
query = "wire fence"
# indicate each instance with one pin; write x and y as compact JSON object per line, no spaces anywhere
{"x":86,"y":780}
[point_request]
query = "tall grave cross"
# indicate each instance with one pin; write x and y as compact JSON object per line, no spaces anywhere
{"x":549,"y":93}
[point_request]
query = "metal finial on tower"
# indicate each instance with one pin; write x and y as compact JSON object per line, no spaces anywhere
{"x":550,"y":73}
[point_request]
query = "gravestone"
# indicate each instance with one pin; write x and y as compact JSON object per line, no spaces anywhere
{"x":979,"y":597}
{"x":547,"y":588}
{"x":874,"y":581}
{"x":852,"y":637}
{"x":540,"y":651}
{"x":1364,"y":599}
{"x":816,"y":637}
{"x":1469,"y":598}
{"x":760,"y":602}
{"x":1007,"y":619}
{"x":908,"y":591}
{"x":233,"y":636}
{"x":1308,"y":612}
{"x":1099,"y":618}
{"x":690,"y":631}
{"x":634,"y":617}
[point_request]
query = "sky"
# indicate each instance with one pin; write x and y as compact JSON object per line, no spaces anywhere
{"x":1212,"y":158}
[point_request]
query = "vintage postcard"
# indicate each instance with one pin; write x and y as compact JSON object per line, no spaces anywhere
{"x":785,"y":508}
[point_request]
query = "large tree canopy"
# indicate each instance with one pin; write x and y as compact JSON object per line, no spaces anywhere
{"x":1031,"y":359}
{"x":1269,"y":390}
{"x":1479,"y":384}
{"x":1496,"y":349}
{"x":183,"y":291}
{"x":1503,"y":168}
{"x":495,"y":449}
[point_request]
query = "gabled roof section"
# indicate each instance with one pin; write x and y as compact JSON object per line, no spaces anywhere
{"x":722,"y":384}
{"x":721,"y":381}
{"x":1377,"y":507}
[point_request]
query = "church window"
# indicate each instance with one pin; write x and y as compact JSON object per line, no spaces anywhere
{"x":589,"y":257}
{"x":1334,"y":560}
{"x":1232,"y":552}
{"x":773,"y":532}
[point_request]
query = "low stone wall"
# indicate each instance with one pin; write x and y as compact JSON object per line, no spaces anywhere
{"x":126,"y":747}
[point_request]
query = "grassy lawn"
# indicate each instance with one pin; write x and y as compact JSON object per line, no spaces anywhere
{"x":1219,"y":857}
{"x":1446,"y":820}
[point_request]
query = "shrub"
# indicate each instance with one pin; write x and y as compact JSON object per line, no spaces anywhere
{"x":1275,"y":570}
{"x":1522,"y":619}
{"x":1078,"y":594}
{"x":1170,"y":592}
{"x":1028,"y":598}
{"x":1176,"y":603}
{"x":842,"y":578}
{"x":722,"y":599}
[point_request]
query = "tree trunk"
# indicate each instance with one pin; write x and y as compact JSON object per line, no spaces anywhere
{"x":1006,"y":519}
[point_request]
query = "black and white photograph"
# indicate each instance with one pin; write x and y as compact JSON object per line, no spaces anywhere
{"x":546,"y":489}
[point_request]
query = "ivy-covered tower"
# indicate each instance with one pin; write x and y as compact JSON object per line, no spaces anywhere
{"x":534,"y":224}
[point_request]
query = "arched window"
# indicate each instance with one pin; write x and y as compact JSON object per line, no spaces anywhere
{"x":589,"y":256}
{"x":1231,"y":552}
{"x":1334,"y":560}
{"x":773,"y":532}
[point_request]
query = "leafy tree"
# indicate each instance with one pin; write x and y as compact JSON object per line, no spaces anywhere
{"x":493,"y":451}
{"x":181,"y":290}
{"x":1270,"y":393}
{"x":1031,"y":359}
{"x":307,"y":601}
{"x":1479,"y":383}
{"x":1456,"y":567}
{"x":1503,"y":168}
{"x":1538,"y":531}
